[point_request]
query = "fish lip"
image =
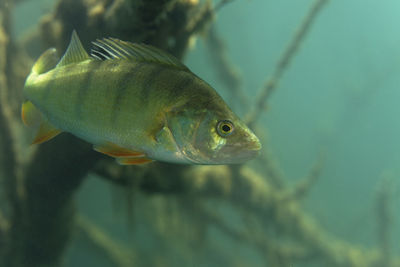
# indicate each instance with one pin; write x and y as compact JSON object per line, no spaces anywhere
{"x":257,"y":146}
{"x":253,"y":149}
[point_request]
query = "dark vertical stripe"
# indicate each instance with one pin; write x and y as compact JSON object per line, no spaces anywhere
{"x":148,"y":83}
{"x":121,"y":90}
{"x":84,"y":88}
{"x":184,"y":82}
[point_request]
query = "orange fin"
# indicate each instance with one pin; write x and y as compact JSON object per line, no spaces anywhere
{"x":45,"y":133}
{"x":133,"y":161}
{"x":30,"y":115}
{"x":116,"y":151}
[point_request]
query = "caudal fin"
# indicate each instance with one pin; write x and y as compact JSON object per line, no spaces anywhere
{"x":47,"y":61}
{"x":33,"y":118}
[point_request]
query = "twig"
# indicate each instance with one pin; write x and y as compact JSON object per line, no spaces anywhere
{"x":272,"y":171}
{"x":303,"y":187}
{"x":221,"y":4}
{"x":385,"y":219}
{"x":119,"y":255}
{"x":284,"y":61}
{"x":259,"y":240}
{"x":251,"y":192}
{"x":227,"y":72}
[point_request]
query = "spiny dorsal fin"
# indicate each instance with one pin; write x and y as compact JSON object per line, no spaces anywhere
{"x":111,"y":48}
{"x":75,"y":52}
{"x":46,"y":61}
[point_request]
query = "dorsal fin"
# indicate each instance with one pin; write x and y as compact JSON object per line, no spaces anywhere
{"x":111,"y":48}
{"x":75,"y":52}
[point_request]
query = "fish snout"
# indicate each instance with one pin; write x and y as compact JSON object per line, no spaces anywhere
{"x":240,"y":151}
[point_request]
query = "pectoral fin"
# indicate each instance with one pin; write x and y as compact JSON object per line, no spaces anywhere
{"x":116,"y":151}
{"x":133,"y":161}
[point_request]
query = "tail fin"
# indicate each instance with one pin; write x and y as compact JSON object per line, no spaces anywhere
{"x":47,"y":61}
{"x":33,"y":118}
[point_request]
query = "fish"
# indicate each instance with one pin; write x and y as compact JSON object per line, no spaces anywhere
{"x":135,"y":103}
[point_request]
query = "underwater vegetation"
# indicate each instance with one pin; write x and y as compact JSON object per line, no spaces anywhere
{"x":186,"y":207}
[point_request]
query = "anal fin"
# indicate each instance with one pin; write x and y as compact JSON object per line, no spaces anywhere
{"x":116,"y":151}
{"x":133,"y":161}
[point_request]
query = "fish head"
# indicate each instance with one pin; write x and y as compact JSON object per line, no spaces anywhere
{"x":213,"y":137}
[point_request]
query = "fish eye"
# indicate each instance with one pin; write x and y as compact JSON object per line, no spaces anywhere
{"x":225,"y":128}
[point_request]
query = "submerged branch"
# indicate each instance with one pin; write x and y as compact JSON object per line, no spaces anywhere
{"x":117,"y":254}
{"x":9,"y":168}
{"x":227,"y":72}
{"x":250,"y":191}
{"x":51,"y":177}
{"x":284,"y":61}
{"x":221,"y":4}
{"x":4,"y":227}
{"x":166,"y":24}
{"x":385,"y":219}
{"x":304,"y":186}
{"x":8,"y":155}
{"x":260,"y":240}
{"x":272,"y":172}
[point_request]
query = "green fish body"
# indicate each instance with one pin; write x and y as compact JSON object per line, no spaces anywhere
{"x":135,"y":103}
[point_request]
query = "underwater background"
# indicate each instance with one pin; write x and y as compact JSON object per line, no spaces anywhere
{"x":324,"y":191}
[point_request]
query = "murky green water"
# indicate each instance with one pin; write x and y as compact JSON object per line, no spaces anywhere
{"x":339,"y":97}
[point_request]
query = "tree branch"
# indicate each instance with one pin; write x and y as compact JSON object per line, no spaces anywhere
{"x":385,"y":219}
{"x":117,"y":254}
{"x":227,"y":72}
{"x":250,"y":191}
{"x":284,"y":61}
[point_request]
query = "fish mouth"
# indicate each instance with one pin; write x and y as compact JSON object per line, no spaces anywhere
{"x":242,"y":158}
{"x":237,"y":153}
{"x":255,"y":144}
{"x":241,"y":152}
